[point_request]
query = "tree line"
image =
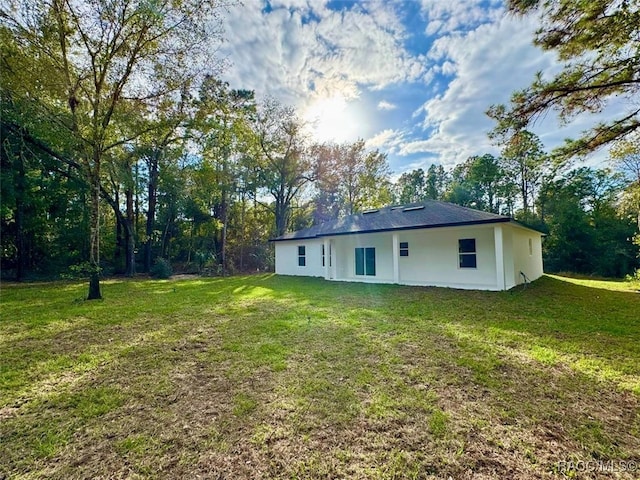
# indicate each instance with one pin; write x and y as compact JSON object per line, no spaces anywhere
{"x":591,"y":216}
{"x":120,"y":147}
{"x":123,"y":152}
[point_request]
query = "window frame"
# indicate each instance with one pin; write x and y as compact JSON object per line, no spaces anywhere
{"x":466,"y":254}
{"x":365,"y":257}
{"x":404,"y":249}
{"x":302,"y":255}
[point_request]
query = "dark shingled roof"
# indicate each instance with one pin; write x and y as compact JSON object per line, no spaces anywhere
{"x":427,"y":214}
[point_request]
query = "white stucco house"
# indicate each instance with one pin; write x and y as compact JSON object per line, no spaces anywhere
{"x":430,"y":243}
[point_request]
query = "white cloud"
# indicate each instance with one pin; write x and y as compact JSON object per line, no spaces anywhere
{"x":384,"y":105}
{"x":490,"y":62}
{"x":389,"y":140}
{"x":298,"y":54}
{"x":449,"y":16}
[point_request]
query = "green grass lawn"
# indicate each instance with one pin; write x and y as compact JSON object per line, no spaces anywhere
{"x":275,"y":377}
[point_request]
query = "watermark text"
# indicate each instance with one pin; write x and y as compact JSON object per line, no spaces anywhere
{"x":610,"y":466}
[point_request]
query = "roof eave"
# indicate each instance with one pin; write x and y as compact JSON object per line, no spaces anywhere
{"x":526,"y":227}
{"x":279,"y":239}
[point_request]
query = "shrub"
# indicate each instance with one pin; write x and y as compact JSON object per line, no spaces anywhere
{"x":634,"y":279}
{"x":161,"y":268}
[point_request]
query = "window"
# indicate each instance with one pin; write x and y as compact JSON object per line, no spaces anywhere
{"x":302,"y":255}
{"x":530,"y":246}
{"x":404,"y":249}
{"x":365,"y":261}
{"x":467,"y":252}
{"x":323,"y":254}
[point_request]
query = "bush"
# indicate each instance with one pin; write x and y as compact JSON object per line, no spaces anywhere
{"x":161,"y":268}
{"x":634,"y":279}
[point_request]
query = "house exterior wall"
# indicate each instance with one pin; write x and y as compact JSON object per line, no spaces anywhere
{"x":433,"y":258}
{"x":509,"y":277}
{"x":524,"y":260}
{"x":287,"y":258}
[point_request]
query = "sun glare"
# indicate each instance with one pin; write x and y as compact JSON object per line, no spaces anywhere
{"x":332,"y":120}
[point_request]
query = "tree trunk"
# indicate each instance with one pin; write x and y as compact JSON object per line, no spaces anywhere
{"x":20,"y":244}
{"x":151,"y":212}
{"x":524,"y":193}
{"x":223,"y":247}
{"x":136,"y":202}
{"x":191,"y":240}
{"x":130,"y":269}
{"x":94,"y":231}
{"x":166,"y":237}
{"x":242,"y":232}
{"x":282,"y":216}
{"x":120,"y":241}
{"x":94,"y":287}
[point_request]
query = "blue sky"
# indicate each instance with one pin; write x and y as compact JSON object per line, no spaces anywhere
{"x":412,"y":78}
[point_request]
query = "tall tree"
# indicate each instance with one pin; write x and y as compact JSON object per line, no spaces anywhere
{"x":485,"y":172}
{"x":284,"y":166}
{"x":122,"y":180}
{"x":625,"y":157}
{"x":598,"y":42}
{"x":221,"y":120}
{"x":350,"y":179}
{"x":524,"y":161}
{"x":410,"y":186}
{"x":586,"y":233}
{"x":365,"y":179}
{"x":436,"y":182}
{"x":105,"y":55}
{"x":153,"y":152}
{"x":327,"y":203}
{"x":156,"y":149}
{"x":478,"y":182}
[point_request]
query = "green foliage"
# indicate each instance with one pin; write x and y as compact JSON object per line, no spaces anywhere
{"x":597,"y":43}
{"x":349,"y":179}
{"x":82,"y":270}
{"x":625,"y":157}
{"x":589,"y":216}
{"x":479,"y":182}
{"x":634,"y":278}
{"x":410,"y":187}
{"x":190,"y":170}
{"x":436,"y":182}
{"x":284,"y":165}
{"x":524,"y":163}
{"x":161,"y":268}
{"x":42,"y":234}
{"x":95,"y":72}
{"x":586,"y":233}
